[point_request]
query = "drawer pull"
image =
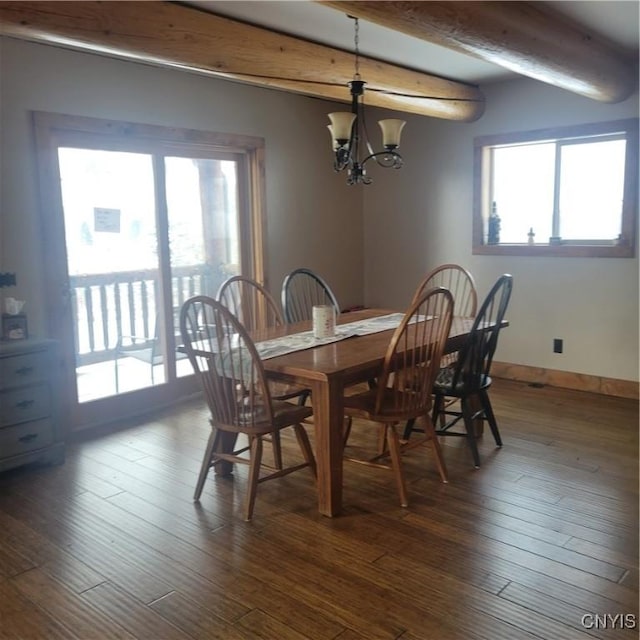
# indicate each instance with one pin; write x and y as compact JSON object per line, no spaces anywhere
{"x":24,"y":404}
{"x":28,"y":437}
{"x":24,"y":371}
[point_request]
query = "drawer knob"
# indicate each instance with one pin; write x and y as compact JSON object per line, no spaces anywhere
{"x":24,"y":404}
{"x":28,"y":437}
{"x":24,"y":371}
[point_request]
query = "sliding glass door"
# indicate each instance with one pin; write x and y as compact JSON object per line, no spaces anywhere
{"x":142,"y":227}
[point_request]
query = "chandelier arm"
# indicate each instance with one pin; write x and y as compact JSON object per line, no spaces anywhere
{"x":363,"y":123}
{"x":388,"y":159}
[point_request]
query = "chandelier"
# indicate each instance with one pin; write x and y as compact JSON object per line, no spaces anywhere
{"x":349,"y":130}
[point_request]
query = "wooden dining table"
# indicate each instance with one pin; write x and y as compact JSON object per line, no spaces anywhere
{"x":328,"y":370}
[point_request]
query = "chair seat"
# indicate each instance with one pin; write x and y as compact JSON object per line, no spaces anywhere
{"x":284,"y":415}
{"x":444,"y":383}
{"x":362,"y":405}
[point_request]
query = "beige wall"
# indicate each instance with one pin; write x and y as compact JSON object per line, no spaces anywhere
{"x":306,"y":201}
{"x":374,"y":243}
{"x":421,"y":216}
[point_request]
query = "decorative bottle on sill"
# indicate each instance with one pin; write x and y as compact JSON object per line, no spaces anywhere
{"x":531,"y":236}
{"x":494,"y":226}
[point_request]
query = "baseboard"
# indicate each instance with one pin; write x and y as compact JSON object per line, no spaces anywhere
{"x":566,"y":380}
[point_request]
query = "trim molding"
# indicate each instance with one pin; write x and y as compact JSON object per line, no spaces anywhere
{"x":567,"y":380}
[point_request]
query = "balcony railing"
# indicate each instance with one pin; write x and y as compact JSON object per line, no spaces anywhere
{"x":109,"y":305}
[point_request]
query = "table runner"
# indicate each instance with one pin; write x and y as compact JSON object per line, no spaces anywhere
{"x":305,"y":339}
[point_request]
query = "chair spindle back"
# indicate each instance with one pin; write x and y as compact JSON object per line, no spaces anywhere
{"x":476,"y":356}
{"x":302,"y":289}
{"x":227,"y":364}
{"x":461,"y":284}
{"x":413,"y":356}
{"x":250,"y":302}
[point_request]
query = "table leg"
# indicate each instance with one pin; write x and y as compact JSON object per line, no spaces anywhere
{"x":328,"y":415}
{"x":226,"y":443}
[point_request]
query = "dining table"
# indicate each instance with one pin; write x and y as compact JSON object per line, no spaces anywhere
{"x":328,"y":370}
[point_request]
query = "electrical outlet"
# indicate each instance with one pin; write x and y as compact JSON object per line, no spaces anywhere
{"x":557,"y":345}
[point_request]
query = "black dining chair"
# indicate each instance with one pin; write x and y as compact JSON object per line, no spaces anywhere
{"x":303,"y":289}
{"x":467,"y":380}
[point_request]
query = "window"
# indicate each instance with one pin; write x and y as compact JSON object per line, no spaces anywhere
{"x":570,"y":191}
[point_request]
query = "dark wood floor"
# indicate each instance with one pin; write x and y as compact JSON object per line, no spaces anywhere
{"x":110,"y":545}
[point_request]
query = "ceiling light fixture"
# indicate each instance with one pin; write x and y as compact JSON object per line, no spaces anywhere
{"x":349,"y":129}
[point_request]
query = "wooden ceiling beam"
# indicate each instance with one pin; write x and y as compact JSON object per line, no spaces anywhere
{"x":164,"y":33}
{"x":528,"y":38}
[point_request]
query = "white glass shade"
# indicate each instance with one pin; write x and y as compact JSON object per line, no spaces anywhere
{"x":341,"y":123}
{"x":391,"y":130}
{"x":334,"y":143}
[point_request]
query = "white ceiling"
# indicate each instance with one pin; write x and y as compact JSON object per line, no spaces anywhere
{"x":615,"y":21}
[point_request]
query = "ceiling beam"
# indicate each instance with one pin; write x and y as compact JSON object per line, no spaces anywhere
{"x":164,"y":33}
{"x":526,"y":37}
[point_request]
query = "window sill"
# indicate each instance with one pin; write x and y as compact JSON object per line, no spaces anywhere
{"x":555,"y":251}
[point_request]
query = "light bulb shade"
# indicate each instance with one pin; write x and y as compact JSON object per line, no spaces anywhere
{"x":335,"y":145}
{"x":341,"y":123}
{"x":391,"y":130}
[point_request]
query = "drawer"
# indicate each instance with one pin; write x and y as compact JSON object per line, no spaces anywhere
{"x":24,"y":369}
{"x":25,"y":437}
{"x":22,"y":405}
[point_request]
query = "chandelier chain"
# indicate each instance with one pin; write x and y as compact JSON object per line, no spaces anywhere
{"x":356,"y":43}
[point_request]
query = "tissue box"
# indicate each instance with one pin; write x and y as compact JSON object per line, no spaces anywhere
{"x":14,"y":326}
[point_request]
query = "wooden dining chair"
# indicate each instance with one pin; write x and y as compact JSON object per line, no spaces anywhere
{"x":404,"y":386}
{"x":235,"y":388}
{"x":257,"y":310}
{"x":468,"y":380}
{"x":460,"y":282}
{"x":250,"y":302}
{"x":303,"y":289}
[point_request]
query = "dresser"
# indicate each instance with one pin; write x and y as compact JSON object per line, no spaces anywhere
{"x":30,"y":409}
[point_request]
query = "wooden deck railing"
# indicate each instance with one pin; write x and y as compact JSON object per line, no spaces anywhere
{"x":109,"y":305}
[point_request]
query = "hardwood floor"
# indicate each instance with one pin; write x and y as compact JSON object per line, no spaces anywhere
{"x":535,"y":544}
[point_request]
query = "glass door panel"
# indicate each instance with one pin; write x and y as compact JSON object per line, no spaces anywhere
{"x":113,"y":253}
{"x":112,"y":261}
{"x":203,"y":222}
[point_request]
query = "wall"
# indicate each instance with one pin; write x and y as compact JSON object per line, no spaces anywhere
{"x":403,"y":224}
{"x":306,"y":201}
{"x":420,"y":217}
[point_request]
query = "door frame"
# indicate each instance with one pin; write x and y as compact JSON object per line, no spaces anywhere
{"x":53,"y":130}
